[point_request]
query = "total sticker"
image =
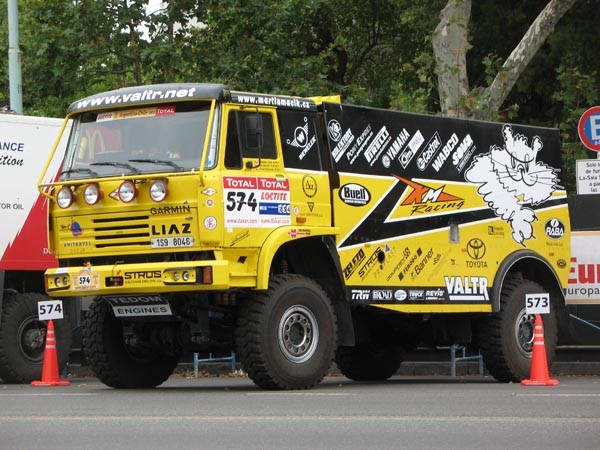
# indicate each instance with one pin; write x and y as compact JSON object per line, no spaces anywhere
{"x":210,"y":223}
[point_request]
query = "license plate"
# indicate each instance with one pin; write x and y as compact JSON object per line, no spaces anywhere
{"x":172,"y":242}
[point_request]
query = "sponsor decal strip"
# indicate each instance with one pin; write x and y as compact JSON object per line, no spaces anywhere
{"x":362,"y":233}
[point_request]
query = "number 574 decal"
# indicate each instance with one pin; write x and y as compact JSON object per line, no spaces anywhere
{"x":254,"y":202}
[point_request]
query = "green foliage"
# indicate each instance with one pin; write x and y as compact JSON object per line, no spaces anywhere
{"x":375,"y":52}
{"x":577,"y":92}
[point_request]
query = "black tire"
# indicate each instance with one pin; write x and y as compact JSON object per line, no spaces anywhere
{"x":115,"y":364}
{"x":287,"y":335}
{"x":506,"y":338}
{"x":369,"y":361}
{"x":23,"y":338}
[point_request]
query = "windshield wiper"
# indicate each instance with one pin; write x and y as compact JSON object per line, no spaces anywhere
{"x":116,"y":164}
{"x":165,"y":162}
{"x":80,"y":170}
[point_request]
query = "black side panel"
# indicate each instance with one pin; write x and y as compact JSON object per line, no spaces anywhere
{"x":584,"y":212}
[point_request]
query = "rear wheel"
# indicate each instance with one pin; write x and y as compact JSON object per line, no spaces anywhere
{"x":369,"y":361}
{"x":286,"y":336}
{"x":114,"y":362}
{"x":506,"y":337}
{"x":23,"y":338}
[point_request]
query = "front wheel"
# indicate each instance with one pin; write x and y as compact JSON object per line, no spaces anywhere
{"x":116,"y":363}
{"x":287,"y":335}
{"x":23,"y":338}
{"x":506,"y":338}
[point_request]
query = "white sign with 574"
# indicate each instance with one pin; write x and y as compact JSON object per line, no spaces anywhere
{"x":50,"y":310}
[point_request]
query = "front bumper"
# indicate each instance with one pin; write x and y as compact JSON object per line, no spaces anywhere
{"x":147,"y":278}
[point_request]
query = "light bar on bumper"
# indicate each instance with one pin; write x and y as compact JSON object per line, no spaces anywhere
{"x":140,"y":278}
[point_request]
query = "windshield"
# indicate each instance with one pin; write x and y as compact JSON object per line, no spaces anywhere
{"x":160,"y":138}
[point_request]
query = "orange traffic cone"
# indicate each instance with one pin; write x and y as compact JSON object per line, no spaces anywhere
{"x":539,"y":364}
{"x":50,"y":366}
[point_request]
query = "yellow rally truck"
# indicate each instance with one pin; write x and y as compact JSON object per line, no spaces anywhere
{"x":297,"y":231}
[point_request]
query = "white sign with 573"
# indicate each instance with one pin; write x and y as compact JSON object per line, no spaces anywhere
{"x":537,"y":303}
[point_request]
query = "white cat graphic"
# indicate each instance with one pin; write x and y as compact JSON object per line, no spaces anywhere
{"x":509,"y":177}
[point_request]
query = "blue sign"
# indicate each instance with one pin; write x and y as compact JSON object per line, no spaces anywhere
{"x":589,"y":128}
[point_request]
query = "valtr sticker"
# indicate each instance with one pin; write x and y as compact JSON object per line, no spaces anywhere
{"x":254,"y":202}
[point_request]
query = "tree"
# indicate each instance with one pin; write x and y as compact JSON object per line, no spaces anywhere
{"x":450,"y":46}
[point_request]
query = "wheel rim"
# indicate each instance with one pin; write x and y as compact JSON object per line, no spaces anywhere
{"x":32,"y":338}
{"x":298,"y":334}
{"x":524,"y":329}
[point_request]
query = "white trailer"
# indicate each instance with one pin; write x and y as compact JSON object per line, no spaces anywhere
{"x":25,"y":143}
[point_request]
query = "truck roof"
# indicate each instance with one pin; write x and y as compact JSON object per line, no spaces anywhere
{"x":139,"y":95}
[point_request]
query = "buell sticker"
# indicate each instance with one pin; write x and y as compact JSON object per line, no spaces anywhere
{"x":255,"y":202}
{"x":354,"y":194}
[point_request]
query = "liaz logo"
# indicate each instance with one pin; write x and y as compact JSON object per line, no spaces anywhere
{"x":165,"y":230}
{"x":425,"y":199}
{"x":354,"y":194}
{"x":555,"y":229}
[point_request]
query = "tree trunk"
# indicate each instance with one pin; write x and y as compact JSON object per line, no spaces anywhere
{"x":450,"y":45}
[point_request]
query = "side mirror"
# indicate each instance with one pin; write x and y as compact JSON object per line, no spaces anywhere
{"x":254,"y":132}
{"x":254,"y":137}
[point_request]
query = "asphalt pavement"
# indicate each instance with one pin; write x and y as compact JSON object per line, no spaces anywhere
{"x":230,"y":412}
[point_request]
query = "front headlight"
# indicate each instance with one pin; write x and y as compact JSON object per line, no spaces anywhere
{"x":64,"y":197}
{"x":158,"y":190}
{"x":92,"y":194}
{"x":127,"y":191}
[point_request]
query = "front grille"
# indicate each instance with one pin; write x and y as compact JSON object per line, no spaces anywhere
{"x":120,"y":231}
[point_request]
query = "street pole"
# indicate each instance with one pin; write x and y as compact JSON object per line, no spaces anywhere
{"x":14,"y":58}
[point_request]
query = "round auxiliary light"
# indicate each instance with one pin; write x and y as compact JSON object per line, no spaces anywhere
{"x":127,"y":191}
{"x":64,"y":197}
{"x":92,"y":194}
{"x":158,"y":190}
